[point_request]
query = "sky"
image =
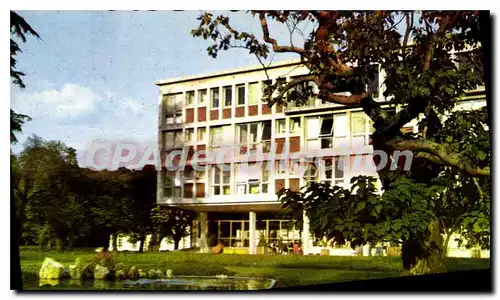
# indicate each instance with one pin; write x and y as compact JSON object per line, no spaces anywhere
{"x":91,"y":75}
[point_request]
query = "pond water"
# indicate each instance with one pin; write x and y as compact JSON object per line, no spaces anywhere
{"x":175,"y":283}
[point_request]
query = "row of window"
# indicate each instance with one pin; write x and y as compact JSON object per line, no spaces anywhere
{"x":202,"y":96}
{"x":253,"y":178}
{"x":321,"y":132}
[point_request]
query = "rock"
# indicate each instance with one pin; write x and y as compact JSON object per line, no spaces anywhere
{"x":159,"y":273}
{"x":169,"y":273}
{"x":133,"y":273}
{"x":88,"y":271}
{"x":52,"y":269}
{"x":142,"y":274}
{"x":120,"y":266}
{"x":48,"y":282}
{"x":76,"y":270}
{"x":120,"y":275}
{"x":101,"y":272}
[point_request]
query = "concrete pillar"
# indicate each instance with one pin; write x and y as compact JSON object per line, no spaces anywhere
{"x":305,"y":234}
{"x":203,"y":243}
{"x":252,"y":233}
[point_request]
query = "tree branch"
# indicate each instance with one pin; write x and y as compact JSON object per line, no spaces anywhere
{"x":440,"y":151}
{"x":268,"y":39}
{"x":290,"y":85}
{"x":354,"y":99}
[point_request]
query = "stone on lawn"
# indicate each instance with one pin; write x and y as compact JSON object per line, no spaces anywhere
{"x":88,"y":271}
{"x":159,"y":273}
{"x":152,"y":274}
{"x":120,"y":275}
{"x":169,"y":273}
{"x":101,"y":272}
{"x":52,"y":269}
{"x":76,"y":269}
{"x":142,"y":274}
{"x":133,"y":273}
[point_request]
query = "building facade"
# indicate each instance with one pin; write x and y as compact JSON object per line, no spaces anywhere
{"x":227,"y":153}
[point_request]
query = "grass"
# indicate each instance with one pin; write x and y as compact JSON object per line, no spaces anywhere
{"x":288,"y":270}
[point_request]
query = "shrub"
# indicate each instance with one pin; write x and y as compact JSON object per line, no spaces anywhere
{"x":106,"y":259}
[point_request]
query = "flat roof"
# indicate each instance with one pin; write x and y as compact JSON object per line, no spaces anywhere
{"x":289,"y":62}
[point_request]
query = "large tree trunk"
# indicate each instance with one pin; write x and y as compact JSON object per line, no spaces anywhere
{"x":431,"y":259}
{"x":114,"y":241}
{"x":155,"y":242}
{"x":141,"y":243}
{"x":16,"y":282}
{"x":60,"y":244}
{"x":176,"y":243}
{"x":71,"y":240}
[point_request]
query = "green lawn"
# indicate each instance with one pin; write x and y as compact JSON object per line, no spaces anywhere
{"x":288,"y":270}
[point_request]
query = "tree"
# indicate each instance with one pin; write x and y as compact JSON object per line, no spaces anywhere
{"x":172,"y":223}
{"x":423,"y":81}
{"x":43,"y":176}
{"x":18,"y":28}
{"x":143,"y":196}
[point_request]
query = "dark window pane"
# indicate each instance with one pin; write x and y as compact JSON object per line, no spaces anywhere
{"x":228,"y":95}
{"x":266,"y":131}
{"x":241,"y":95}
{"x":326,"y":126}
{"x":215,"y":97}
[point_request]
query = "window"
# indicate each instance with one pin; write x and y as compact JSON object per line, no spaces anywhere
{"x":190,"y":98}
{"x":266,"y":136}
{"x":172,"y":139}
{"x":325,"y":132}
{"x":172,"y":104}
{"x":266,"y":89}
{"x":240,"y":89}
{"x":303,"y":92}
{"x":221,"y":180}
{"x":295,"y":125}
{"x":280,"y":126}
{"x":189,"y":135}
{"x":178,"y":139}
{"x":168,"y":139}
{"x":251,"y":135}
{"x":360,"y":136}
{"x":188,"y":174}
{"x":220,"y":136}
{"x":341,"y":131}
{"x":202,"y":96}
{"x":334,"y":171}
{"x":172,"y":184}
{"x":281,"y":166}
{"x":311,"y":173}
{"x":200,"y":174}
{"x":216,"y":135}
{"x":202,"y":132}
{"x":252,"y":178}
{"x":312,"y":132}
{"x":253,"y":97}
{"x":214,"y":97}
{"x":228,"y":95}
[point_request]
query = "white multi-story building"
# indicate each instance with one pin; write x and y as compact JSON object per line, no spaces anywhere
{"x":223,"y":113}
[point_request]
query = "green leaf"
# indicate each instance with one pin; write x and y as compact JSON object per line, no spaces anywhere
{"x":481,"y":155}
